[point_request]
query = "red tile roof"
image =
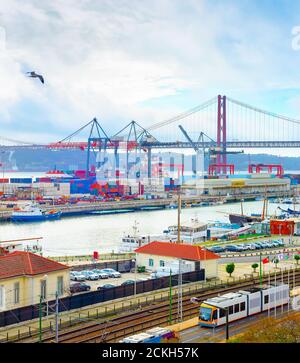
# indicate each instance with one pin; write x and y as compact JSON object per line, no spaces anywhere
{"x":21,"y":263}
{"x":178,"y":250}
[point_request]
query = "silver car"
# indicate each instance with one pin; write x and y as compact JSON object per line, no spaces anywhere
{"x":77,"y":276}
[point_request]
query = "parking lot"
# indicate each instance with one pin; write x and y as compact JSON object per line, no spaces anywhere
{"x":116,"y":281}
{"x":249,"y":247}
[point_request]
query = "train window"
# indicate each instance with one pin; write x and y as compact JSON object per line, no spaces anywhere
{"x":266,"y":299}
{"x":222,"y":313}
{"x":243,"y":306}
{"x":236,"y":308}
{"x":230,"y":310}
{"x":215,"y":314}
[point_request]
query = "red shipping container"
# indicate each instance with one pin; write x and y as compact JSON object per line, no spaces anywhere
{"x":282,"y":227}
{"x":4,"y":180}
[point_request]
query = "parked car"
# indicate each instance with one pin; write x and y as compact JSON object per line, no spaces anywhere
{"x":106,"y":286}
{"x":90,"y":275}
{"x":77,"y":276}
{"x":128,"y":282}
{"x":234,"y":248}
{"x":251,"y":246}
{"x":79,"y":287}
{"x":257,"y":246}
{"x":264,"y":244}
{"x":101,"y":274}
{"x":269,"y":244}
{"x":111,"y":272}
{"x":217,"y":249}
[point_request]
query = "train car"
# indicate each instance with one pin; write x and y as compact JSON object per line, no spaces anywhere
{"x":154,"y":335}
{"x":241,"y":304}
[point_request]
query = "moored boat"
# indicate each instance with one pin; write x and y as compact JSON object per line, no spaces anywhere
{"x":32,"y":212}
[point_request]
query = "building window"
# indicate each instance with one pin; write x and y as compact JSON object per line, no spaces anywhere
{"x":266,"y":299}
{"x":1,"y":296}
{"x":243,"y":306}
{"x":151,"y":262}
{"x":230,"y":309}
{"x":43,"y":289}
{"x":60,"y":285}
{"x":17,"y":292}
{"x":161,"y":263}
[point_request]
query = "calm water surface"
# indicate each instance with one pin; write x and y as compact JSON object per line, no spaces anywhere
{"x":85,"y":234}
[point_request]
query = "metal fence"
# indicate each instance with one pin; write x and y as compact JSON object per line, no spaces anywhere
{"x":95,"y":297}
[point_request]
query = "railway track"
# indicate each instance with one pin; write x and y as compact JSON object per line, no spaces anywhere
{"x":148,"y":317}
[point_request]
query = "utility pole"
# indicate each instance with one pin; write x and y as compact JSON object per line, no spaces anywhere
{"x":179,"y":308}
{"x":56,"y":317}
{"x":40,"y":320}
{"x":170,"y":286}
{"x":227,"y":324}
{"x":260,"y":272}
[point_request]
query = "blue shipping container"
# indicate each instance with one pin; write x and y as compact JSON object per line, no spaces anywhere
{"x":20,"y":180}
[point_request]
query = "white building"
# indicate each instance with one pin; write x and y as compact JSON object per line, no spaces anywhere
{"x":157,"y":255}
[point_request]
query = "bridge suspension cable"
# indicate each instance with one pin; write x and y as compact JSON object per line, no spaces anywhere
{"x":267,"y":113}
{"x":183,"y":115}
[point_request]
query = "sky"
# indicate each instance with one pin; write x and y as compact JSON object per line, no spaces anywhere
{"x":123,"y":60}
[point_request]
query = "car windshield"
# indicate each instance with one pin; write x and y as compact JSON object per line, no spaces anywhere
{"x":205,"y":313}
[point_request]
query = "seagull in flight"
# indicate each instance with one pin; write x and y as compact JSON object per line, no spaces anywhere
{"x":34,"y":75}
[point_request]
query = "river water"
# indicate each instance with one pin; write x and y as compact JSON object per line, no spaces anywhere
{"x":103,"y":233}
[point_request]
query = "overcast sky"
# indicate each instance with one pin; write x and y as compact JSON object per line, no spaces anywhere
{"x":145,"y":60}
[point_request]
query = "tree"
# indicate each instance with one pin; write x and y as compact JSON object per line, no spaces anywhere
{"x":297,"y":258}
{"x":254,"y":266}
{"x":276,"y":261}
{"x":230,"y":268}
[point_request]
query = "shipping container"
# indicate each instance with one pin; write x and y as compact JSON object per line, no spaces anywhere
{"x":282,"y":227}
{"x":21,"y":180}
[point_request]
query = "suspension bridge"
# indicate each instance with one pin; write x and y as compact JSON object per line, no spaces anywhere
{"x":216,"y":127}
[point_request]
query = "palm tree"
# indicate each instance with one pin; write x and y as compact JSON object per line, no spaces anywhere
{"x":254,"y":266}
{"x":297,"y":258}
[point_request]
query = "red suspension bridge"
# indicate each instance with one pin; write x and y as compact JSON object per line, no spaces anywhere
{"x":217,"y":125}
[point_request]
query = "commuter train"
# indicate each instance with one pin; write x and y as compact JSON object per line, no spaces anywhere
{"x":241,"y":304}
{"x":154,"y":335}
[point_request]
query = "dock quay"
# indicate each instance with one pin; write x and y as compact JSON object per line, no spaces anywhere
{"x":125,"y":206}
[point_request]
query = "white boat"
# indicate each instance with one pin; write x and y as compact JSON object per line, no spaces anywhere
{"x":133,"y":241}
{"x":190,"y":232}
{"x":27,"y":244}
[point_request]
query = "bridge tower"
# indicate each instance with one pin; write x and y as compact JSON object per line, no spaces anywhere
{"x":221,"y":132}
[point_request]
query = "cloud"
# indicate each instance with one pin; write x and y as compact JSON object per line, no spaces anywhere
{"x":110,"y":58}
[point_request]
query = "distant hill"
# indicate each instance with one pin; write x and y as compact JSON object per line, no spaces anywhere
{"x":43,"y":160}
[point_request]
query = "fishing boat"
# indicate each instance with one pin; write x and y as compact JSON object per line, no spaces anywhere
{"x":32,"y":212}
{"x":290,"y":211}
{"x":242,"y":219}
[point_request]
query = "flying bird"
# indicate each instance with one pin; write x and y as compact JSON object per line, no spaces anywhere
{"x":34,"y":75}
